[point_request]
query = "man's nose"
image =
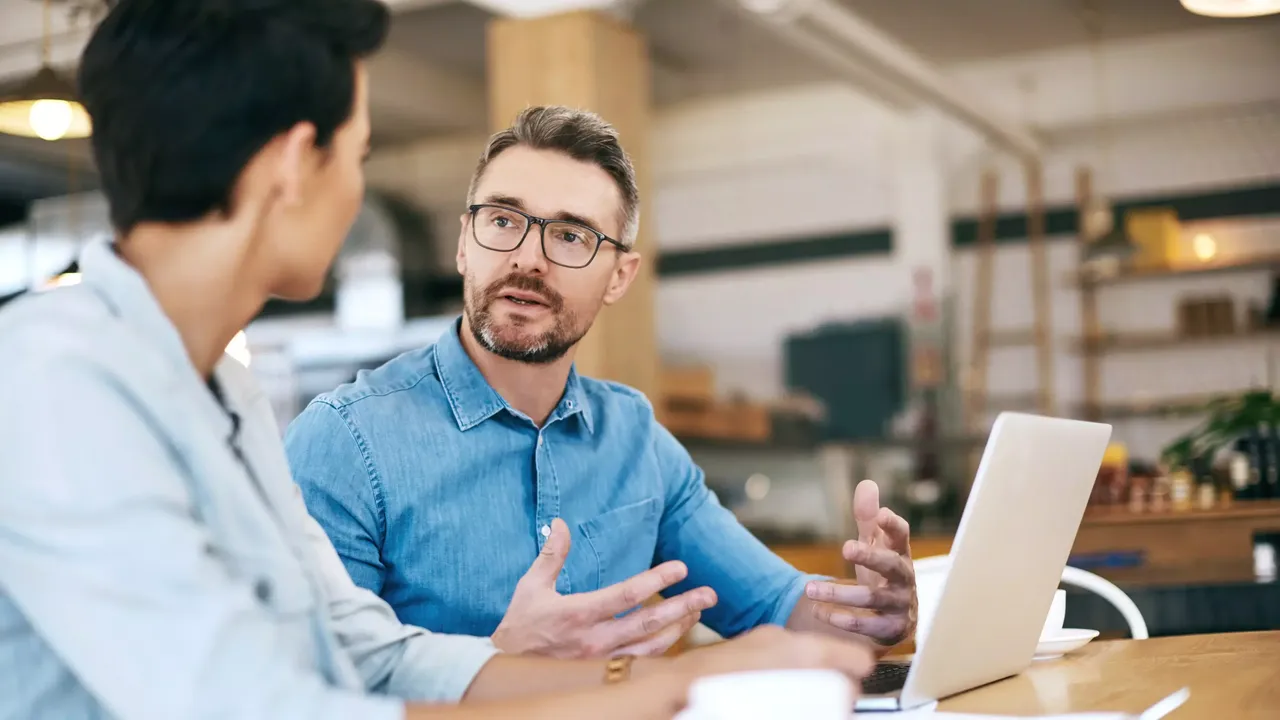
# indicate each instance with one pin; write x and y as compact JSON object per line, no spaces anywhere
{"x":529,"y":256}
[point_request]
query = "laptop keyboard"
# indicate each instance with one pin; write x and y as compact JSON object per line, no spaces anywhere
{"x":888,"y":677}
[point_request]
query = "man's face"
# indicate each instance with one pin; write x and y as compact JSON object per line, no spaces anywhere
{"x":321,"y":193}
{"x":518,"y":304}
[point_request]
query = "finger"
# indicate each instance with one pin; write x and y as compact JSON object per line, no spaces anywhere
{"x":866,"y":505}
{"x":883,"y":562}
{"x":623,"y":596}
{"x":895,"y":531}
{"x":542,"y":573}
{"x":884,"y":599}
{"x":653,"y":619}
{"x":661,"y":642}
{"x":883,"y":629}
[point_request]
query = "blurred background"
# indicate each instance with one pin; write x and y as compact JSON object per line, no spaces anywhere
{"x":870,"y":227}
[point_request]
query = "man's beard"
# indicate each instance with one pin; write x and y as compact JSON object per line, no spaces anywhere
{"x":546,"y":347}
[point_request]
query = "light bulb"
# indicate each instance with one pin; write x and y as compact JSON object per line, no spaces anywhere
{"x":1232,"y":8}
{"x":50,"y":119}
{"x":1204,"y":246}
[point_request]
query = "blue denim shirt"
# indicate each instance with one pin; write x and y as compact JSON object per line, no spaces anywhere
{"x":156,"y":559}
{"x":437,"y":495}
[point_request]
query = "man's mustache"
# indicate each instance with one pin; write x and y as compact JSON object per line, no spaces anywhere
{"x":527,"y":283}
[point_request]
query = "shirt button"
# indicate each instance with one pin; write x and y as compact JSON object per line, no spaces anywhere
{"x":568,"y":403}
{"x":262,"y":589}
{"x":546,"y":531}
{"x":539,"y":441}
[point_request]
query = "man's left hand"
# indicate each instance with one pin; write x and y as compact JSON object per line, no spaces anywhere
{"x":882,"y":606}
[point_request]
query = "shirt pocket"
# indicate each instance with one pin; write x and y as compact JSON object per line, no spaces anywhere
{"x":623,"y":541}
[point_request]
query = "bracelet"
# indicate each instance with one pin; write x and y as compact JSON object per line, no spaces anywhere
{"x":618,"y":669}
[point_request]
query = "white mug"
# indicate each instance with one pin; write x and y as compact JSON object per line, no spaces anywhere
{"x":770,"y":695}
{"x":1057,"y":615}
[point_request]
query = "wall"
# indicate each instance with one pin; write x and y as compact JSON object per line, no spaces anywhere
{"x":1185,"y":114}
{"x":769,"y":171}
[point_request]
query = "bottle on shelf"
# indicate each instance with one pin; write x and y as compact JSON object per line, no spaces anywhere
{"x":1181,"y":485}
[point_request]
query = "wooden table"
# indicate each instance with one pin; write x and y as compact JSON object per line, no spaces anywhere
{"x":1233,"y":676}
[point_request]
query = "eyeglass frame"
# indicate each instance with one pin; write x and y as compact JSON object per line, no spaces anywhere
{"x":542,"y":233}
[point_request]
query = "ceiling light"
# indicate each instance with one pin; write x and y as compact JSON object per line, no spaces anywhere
{"x":43,"y":106}
{"x":1205,"y":247}
{"x":538,"y":8}
{"x":1232,"y":8}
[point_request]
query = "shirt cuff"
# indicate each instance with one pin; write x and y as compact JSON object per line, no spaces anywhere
{"x":442,"y":667}
{"x":787,"y":603}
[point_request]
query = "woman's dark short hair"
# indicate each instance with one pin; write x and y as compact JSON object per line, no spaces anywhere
{"x":183,"y":93}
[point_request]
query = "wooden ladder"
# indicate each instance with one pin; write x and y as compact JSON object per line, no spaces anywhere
{"x":1042,"y":334}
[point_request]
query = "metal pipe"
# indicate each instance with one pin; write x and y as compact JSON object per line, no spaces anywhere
{"x":863,"y":51}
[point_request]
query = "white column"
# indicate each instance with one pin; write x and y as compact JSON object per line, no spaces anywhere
{"x":921,"y":227}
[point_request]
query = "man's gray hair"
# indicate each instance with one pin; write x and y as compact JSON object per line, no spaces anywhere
{"x":581,"y":135}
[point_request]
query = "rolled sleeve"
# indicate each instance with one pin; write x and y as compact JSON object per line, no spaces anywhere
{"x":754,"y":585}
{"x":102,"y":555}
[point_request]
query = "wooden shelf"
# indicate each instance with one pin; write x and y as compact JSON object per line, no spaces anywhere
{"x":1168,"y":407}
{"x":1237,"y":510}
{"x":1254,"y":262}
{"x":1141,"y":341}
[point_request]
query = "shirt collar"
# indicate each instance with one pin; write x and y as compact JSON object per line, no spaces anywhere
{"x":129,"y":298}
{"x":473,"y":400}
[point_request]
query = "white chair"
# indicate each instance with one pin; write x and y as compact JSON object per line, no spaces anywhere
{"x":1076,"y":577}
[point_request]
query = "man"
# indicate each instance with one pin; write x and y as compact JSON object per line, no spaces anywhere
{"x":156,"y":561}
{"x":487,"y":448}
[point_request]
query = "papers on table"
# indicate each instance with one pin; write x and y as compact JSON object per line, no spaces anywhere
{"x":1155,"y":712}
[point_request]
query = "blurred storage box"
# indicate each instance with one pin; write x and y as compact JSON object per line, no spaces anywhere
{"x":1157,"y":234}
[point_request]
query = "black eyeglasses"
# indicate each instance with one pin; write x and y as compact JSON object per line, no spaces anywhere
{"x":567,"y":244}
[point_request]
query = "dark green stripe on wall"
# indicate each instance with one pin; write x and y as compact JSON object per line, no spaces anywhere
{"x":775,"y":252}
{"x":1234,"y":202}
{"x":1263,"y":199}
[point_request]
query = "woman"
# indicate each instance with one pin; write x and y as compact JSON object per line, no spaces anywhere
{"x":155,"y":558}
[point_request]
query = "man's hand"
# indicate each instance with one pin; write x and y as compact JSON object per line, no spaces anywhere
{"x":541,"y":621}
{"x":769,"y":647}
{"x":882,"y":606}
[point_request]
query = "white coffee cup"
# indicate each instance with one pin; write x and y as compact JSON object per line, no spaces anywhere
{"x":929,"y":593}
{"x":770,"y":695}
{"x":1057,"y":615}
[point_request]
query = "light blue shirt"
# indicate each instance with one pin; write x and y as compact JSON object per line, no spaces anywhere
{"x":156,"y":560}
{"x":437,"y":495}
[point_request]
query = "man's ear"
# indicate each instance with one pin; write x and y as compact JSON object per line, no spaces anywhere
{"x":624,"y":273}
{"x":295,"y":158}
{"x":461,"y":256}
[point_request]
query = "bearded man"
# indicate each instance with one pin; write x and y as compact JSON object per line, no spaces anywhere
{"x":454,"y":479}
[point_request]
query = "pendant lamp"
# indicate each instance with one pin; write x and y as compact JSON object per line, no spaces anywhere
{"x":1232,"y":8}
{"x":43,"y":105}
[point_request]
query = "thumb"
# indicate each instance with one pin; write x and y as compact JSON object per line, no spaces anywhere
{"x":866,"y":506}
{"x":543,"y":571}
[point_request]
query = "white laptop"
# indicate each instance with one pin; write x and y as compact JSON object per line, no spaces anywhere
{"x":1013,"y":541}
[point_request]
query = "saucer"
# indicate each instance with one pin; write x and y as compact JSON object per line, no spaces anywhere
{"x":1057,"y":643}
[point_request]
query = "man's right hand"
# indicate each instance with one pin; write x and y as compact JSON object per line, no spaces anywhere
{"x":541,"y":621}
{"x":770,"y":647}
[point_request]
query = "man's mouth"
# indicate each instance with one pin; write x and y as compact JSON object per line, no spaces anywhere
{"x":524,"y":298}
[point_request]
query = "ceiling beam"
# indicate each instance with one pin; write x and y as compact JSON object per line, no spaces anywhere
{"x":405,"y":87}
{"x":861,"y":51}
